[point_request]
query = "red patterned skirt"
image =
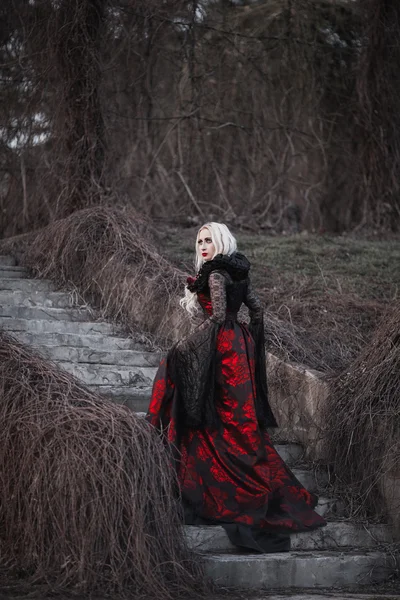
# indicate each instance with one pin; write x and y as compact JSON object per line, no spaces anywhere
{"x":232,"y":475}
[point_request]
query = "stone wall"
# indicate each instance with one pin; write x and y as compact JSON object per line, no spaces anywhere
{"x":298,"y":396}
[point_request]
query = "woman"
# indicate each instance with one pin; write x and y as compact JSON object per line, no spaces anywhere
{"x":210,"y":400}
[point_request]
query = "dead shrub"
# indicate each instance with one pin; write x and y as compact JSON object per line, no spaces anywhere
{"x":362,"y":433}
{"x":325,"y":332}
{"x":104,"y":253}
{"x":88,"y":497}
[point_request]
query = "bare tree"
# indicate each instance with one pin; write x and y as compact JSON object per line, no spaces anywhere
{"x":265,"y":114}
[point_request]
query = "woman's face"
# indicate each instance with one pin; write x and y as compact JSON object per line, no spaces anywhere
{"x":205,"y":246}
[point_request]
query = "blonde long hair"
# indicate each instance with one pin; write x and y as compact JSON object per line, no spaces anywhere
{"x":224,"y":243}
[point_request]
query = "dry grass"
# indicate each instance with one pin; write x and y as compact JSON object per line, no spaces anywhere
{"x":325,"y":333}
{"x":88,"y":497}
{"x":362,"y":430}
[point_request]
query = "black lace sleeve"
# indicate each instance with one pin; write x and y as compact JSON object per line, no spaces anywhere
{"x":217,"y":285}
{"x":254,"y":304}
{"x":200,"y":321}
{"x":192,"y":362}
{"x":256,"y":310}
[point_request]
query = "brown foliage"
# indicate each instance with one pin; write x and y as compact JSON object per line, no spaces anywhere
{"x":325,"y":333}
{"x":247,"y":114}
{"x":363,"y":424}
{"x":88,"y":494}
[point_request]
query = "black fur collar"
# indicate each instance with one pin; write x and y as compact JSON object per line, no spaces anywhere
{"x":236,"y":265}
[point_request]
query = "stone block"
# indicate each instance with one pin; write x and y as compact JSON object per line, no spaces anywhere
{"x":46,"y":313}
{"x":36,"y":298}
{"x":330,"y":507}
{"x":45,"y":326}
{"x":90,"y":342}
{"x":312,"y":479}
{"x":25,"y":285}
{"x":337,"y":534}
{"x":109,"y":375}
{"x":298,"y":397}
{"x":136,"y":399}
{"x":290,"y":453}
{"x":13,"y":272}
{"x":7,"y":261}
{"x":299,"y":569}
{"x":133,"y":358}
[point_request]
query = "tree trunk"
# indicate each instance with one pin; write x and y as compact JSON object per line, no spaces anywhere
{"x":378,"y":117}
{"x":80,"y":124}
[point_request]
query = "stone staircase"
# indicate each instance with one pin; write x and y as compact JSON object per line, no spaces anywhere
{"x":343,"y":554}
{"x":94,"y":351}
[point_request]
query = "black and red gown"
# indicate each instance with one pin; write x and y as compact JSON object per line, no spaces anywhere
{"x":209,"y":401}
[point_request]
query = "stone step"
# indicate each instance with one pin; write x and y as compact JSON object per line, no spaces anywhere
{"x":26,"y":285}
{"x":98,"y":375}
{"x":137,"y":399}
{"x":337,"y":534}
{"x":13,"y":272}
{"x":46,"y":326}
{"x":290,"y":453}
{"x":89,"y":341}
{"x":51,"y":314}
{"x":312,"y":479}
{"x":131,"y":358}
{"x":7,"y":261}
{"x":299,"y":569}
{"x":368,"y":593}
{"x":30,"y":299}
{"x":330,"y":507}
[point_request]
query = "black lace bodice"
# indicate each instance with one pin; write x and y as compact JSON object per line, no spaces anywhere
{"x":224,"y":297}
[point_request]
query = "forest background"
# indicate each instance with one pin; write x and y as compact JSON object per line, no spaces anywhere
{"x":275,"y":116}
